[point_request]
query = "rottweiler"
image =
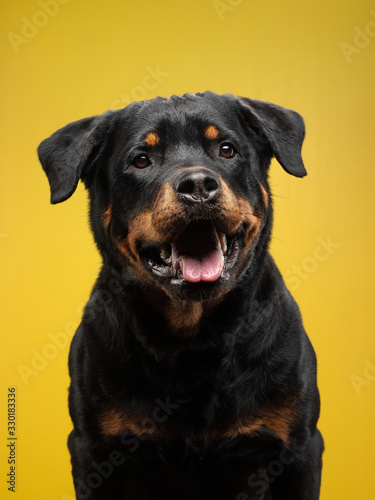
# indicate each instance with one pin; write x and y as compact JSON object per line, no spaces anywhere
{"x":192,"y":377}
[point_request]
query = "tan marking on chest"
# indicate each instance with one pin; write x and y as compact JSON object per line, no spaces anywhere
{"x":278,"y":421}
{"x":184,"y":315}
{"x":113,"y":423}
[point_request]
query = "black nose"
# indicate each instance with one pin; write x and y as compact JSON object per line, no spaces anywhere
{"x":197,"y":186}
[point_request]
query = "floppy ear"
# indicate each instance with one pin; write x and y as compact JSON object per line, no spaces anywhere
{"x":65,"y":154}
{"x":282,"y":128}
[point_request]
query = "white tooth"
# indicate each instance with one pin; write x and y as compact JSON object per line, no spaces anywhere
{"x":222,"y":260}
{"x":164,"y":254}
{"x":223,"y":243}
{"x":181,"y":266}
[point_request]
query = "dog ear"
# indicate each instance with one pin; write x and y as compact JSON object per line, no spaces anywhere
{"x":66,"y":154}
{"x":282,"y":128}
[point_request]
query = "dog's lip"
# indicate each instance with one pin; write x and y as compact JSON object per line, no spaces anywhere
{"x":168,"y":260}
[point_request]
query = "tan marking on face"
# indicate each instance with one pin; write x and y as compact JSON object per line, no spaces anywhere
{"x":264,"y":195}
{"x":157,"y":226}
{"x":230,"y":208}
{"x":167,"y":207}
{"x":152,"y":139}
{"x":123,"y":246}
{"x":238,"y":211}
{"x":140,"y":228}
{"x":150,"y":225}
{"x":107,"y":216}
{"x":253,"y":224}
{"x":211,"y":133}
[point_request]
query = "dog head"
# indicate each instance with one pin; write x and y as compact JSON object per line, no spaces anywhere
{"x":178,"y":186}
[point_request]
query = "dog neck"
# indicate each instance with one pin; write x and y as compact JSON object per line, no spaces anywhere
{"x":182,"y":316}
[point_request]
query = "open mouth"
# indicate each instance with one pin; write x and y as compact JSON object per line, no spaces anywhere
{"x":200,"y":254}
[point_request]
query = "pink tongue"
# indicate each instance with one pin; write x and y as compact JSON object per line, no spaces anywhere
{"x":199,"y":251}
{"x":207,"y":268}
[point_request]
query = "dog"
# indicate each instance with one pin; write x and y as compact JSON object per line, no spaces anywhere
{"x":192,"y":376}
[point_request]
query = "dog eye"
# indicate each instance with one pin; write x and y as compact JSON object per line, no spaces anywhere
{"x":227,"y":150}
{"x":141,"y":161}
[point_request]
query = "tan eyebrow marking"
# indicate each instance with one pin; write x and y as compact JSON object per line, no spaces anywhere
{"x":211,"y":132}
{"x":152,"y":139}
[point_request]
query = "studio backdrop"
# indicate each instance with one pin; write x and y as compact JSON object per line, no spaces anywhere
{"x":62,"y":60}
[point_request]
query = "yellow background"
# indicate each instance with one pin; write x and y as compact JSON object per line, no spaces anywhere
{"x":88,"y":57}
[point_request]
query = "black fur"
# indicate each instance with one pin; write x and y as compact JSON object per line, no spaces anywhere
{"x":221,"y":407}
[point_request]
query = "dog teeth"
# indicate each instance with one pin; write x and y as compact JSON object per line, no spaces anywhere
{"x":181,"y":266}
{"x":223,"y":243}
{"x":165,"y":255}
